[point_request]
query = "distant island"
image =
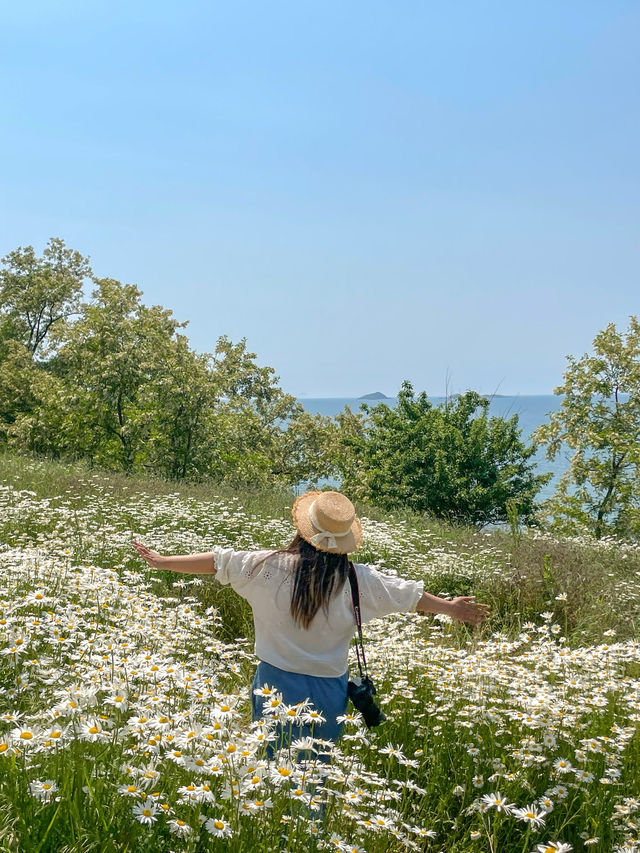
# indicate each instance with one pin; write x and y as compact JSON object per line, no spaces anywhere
{"x":378,"y":395}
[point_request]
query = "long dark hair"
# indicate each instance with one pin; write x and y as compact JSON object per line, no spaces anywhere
{"x":316,"y":577}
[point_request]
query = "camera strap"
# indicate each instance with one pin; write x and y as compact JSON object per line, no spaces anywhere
{"x":355,"y":597}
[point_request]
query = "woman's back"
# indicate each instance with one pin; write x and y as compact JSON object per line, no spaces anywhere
{"x":264,"y":578}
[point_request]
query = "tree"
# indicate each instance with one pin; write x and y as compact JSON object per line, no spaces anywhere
{"x":120,"y":387}
{"x":38,"y":295}
{"x":604,"y":431}
{"x":18,"y":375}
{"x":108,"y":355}
{"x":180,"y":406}
{"x":251,"y":414}
{"x":441,"y":460}
{"x":307,"y":448}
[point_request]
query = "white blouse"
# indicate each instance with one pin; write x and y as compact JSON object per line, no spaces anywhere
{"x":322,"y":649}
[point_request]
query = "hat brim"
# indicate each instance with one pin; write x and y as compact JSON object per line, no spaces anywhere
{"x":344,"y":545}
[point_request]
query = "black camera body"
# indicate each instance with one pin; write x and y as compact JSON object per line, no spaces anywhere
{"x":361,"y":692}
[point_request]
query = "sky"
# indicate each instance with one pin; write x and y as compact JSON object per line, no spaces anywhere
{"x":367,"y":191}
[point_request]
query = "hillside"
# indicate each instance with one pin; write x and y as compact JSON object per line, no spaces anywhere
{"x":538,"y":705}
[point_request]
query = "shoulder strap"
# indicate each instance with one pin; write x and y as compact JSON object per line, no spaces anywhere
{"x":355,"y":597}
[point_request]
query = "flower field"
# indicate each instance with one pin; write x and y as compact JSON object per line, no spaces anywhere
{"x":125,"y":706}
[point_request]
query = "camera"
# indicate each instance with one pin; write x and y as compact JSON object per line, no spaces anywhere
{"x":361,"y":692}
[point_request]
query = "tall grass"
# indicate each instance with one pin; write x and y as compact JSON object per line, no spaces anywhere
{"x":537,"y":707}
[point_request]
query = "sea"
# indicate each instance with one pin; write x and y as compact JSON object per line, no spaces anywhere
{"x":531,"y":409}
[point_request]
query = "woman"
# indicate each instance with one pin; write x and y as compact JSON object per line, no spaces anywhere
{"x":302,"y":605}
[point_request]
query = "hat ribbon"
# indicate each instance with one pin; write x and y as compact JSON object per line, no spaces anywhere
{"x":324,"y":534}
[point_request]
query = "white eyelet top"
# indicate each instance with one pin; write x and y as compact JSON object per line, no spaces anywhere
{"x":322,"y":649}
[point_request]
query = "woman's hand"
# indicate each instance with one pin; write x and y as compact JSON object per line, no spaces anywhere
{"x":466,"y":609}
{"x":154,"y":559}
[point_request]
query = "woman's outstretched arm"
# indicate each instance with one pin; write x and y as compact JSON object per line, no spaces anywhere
{"x":193,"y":564}
{"x":463,"y":607}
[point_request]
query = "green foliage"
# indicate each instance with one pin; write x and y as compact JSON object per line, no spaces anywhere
{"x":440,"y":459}
{"x":600,"y":492}
{"x":121,"y":388}
{"x":38,"y":295}
{"x":112,"y":381}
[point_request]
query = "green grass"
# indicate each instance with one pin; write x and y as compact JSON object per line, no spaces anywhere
{"x":473,"y":711}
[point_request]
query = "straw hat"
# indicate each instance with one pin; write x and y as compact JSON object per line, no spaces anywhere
{"x":328,"y":521}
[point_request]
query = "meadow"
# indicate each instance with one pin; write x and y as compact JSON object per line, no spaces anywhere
{"x":125,"y":698}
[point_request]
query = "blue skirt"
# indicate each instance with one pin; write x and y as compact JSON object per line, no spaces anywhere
{"x":328,"y":695}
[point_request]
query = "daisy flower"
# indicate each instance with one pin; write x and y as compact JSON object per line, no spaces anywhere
{"x":299,"y":794}
{"x":91,"y":731}
{"x":179,"y":827}
{"x":266,"y":690}
{"x":553,"y":847}
{"x":383,"y":822}
{"x":304,"y":743}
{"x":393,"y":750}
{"x":349,"y":718}
{"x":583,"y":775}
{"x":118,"y":701}
{"x":218,"y":827}
{"x":188,"y":794}
{"x":281,"y":773}
{"x":145,"y":812}
{"x":12,"y":716}
{"x":130,"y":791}
{"x":292,"y":714}
{"x":531,"y":815}
{"x":313,"y":716}
{"x":498,"y":802}
{"x":43,"y":791}
{"x":224,"y":712}
{"x":25,"y":736}
{"x":5,"y":746}
{"x":252,"y":783}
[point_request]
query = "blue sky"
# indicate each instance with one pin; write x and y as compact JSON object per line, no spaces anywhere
{"x":366,"y":191}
